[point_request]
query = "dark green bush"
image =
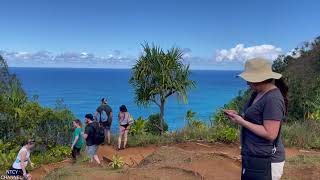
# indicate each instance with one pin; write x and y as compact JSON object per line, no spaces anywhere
{"x":153,"y":123}
{"x":21,"y":119}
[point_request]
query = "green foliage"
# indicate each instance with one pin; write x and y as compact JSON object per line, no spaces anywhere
{"x":198,"y":124}
{"x":158,"y":75}
{"x":226,"y":134}
{"x":7,"y":155}
{"x":153,"y":123}
{"x":301,"y":71}
{"x":117,"y":162}
{"x":54,"y":154}
{"x":302,"y":134}
{"x":237,"y":104}
{"x":209,"y":134}
{"x":59,"y":151}
{"x":138,"y":127}
{"x":21,"y":119}
{"x":190,"y":114}
{"x":152,"y":139}
{"x":196,"y":128}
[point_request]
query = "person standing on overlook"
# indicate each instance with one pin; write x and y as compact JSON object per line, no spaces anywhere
{"x":124,"y":125}
{"x":263,"y":154}
{"x":104,"y":116}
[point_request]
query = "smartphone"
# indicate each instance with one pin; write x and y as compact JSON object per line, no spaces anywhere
{"x":226,"y":112}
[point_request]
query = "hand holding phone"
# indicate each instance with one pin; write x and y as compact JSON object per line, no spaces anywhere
{"x":229,"y":112}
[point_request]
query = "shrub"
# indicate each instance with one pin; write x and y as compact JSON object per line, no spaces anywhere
{"x":8,"y":155}
{"x":138,"y":127}
{"x":236,"y":104}
{"x":153,"y":123}
{"x":117,"y":162}
{"x":304,"y":134}
{"x":226,"y":134}
{"x":198,"y":124}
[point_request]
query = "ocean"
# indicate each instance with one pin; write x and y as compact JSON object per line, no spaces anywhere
{"x":82,"y":89}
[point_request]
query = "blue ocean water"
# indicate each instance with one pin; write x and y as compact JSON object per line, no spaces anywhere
{"x":82,"y":89}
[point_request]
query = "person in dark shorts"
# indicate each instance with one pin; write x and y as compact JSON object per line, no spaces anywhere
{"x":77,"y":140}
{"x":263,"y":153}
{"x":18,"y":169}
{"x":104,"y":117}
{"x":89,"y":136}
{"x":124,"y":126}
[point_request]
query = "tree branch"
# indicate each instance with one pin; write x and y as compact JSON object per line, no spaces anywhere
{"x":155,"y":101}
{"x":159,"y":128}
{"x":170,"y":93}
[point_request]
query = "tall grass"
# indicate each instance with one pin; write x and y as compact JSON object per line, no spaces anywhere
{"x":304,"y":134}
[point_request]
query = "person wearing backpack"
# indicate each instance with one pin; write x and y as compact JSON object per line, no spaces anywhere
{"x":90,"y":135}
{"x":104,"y":116}
{"x":124,"y":126}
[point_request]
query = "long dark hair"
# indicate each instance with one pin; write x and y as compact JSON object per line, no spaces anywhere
{"x":123,"y":108}
{"x":284,"y":89}
{"x":282,"y":85}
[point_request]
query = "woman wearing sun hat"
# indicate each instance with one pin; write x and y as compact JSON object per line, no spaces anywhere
{"x":263,"y":154}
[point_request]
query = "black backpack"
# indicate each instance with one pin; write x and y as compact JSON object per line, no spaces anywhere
{"x":99,"y":134}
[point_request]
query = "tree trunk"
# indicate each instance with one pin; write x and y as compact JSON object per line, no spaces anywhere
{"x":161,"y":115}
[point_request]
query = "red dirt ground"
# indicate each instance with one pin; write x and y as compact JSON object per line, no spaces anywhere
{"x":180,"y":161}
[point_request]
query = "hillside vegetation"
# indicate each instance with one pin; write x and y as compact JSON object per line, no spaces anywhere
{"x":22,"y":119}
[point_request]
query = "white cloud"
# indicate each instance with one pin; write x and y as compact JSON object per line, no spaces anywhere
{"x":295,"y":53}
{"x":242,"y":53}
{"x":224,"y":58}
{"x":67,"y":59}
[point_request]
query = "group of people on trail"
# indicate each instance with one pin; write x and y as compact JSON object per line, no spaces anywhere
{"x":262,"y":151}
{"x":96,"y":132}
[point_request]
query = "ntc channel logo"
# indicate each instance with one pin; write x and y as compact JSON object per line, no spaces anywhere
{"x":13,"y":175}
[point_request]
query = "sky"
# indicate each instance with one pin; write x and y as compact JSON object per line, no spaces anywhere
{"x":213,"y":34}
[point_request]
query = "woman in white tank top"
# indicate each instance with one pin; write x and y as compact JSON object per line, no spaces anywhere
{"x":23,"y":158}
{"x":124,"y":126}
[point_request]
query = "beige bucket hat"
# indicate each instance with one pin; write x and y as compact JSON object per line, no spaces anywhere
{"x":258,"y":70}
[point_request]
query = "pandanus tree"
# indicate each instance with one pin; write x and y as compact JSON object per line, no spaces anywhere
{"x":157,"y":75}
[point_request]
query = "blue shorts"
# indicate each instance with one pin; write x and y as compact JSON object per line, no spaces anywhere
{"x":92,"y":150}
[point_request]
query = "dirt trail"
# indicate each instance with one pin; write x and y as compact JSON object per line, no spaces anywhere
{"x":179,"y":161}
{"x":131,"y":156}
{"x":41,"y":172}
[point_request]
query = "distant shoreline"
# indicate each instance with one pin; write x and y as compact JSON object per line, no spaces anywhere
{"x":230,"y":70}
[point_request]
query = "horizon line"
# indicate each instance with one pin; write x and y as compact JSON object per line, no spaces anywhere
{"x":113,"y":68}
